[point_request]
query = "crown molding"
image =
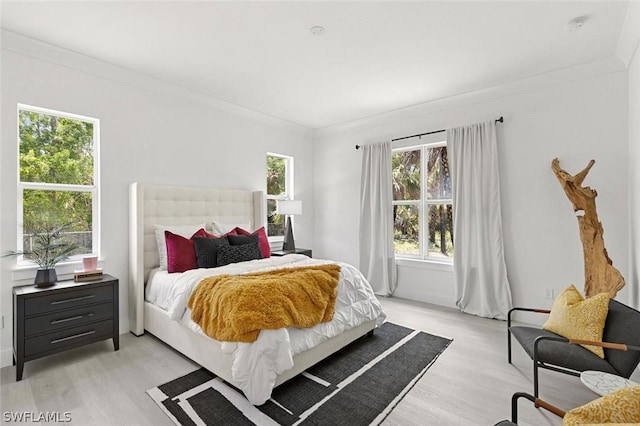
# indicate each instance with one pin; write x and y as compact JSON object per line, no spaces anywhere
{"x":509,"y":88}
{"x":38,"y":49}
{"x":627,"y":45}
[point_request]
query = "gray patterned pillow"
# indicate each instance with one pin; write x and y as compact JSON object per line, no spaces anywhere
{"x":207,"y":250}
{"x":241,"y":253}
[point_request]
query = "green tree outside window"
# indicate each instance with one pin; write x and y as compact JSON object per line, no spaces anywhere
{"x":422,"y":207}
{"x":57,"y":174}
{"x":278,"y":188}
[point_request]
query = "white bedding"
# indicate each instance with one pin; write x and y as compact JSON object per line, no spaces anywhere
{"x":256,"y":365}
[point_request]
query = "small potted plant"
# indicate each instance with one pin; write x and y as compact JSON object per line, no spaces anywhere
{"x":48,"y":248}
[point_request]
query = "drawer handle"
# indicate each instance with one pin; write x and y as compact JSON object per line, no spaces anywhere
{"x":71,"y":318}
{"x":75,"y":336}
{"x":75,"y":299}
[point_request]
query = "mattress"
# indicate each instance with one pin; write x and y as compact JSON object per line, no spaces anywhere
{"x":256,"y":365}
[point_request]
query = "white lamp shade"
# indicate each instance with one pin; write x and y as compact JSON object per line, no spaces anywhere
{"x":289,"y":207}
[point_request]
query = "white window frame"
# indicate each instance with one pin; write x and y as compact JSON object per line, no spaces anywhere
{"x":288,"y":167}
{"x":423,"y":204}
{"x":93,"y":189}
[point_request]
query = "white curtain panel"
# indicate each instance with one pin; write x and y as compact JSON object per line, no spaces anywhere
{"x":479,"y":268}
{"x":377,"y":257}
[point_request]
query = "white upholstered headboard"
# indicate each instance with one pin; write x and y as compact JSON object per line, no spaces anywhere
{"x":151,"y":205}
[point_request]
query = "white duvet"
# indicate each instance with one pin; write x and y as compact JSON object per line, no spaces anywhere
{"x":256,"y":365}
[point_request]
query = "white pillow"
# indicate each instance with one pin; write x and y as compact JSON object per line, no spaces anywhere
{"x":220,"y":229}
{"x":183,"y":230}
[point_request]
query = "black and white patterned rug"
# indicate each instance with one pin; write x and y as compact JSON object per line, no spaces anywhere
{"x":359,"y":385}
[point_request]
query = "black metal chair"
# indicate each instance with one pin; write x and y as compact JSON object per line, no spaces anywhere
{"x":605,"y":409}
{"x":621,"y":343}
{"x":537,"y":402}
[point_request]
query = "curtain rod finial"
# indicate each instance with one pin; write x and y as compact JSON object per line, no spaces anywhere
{"x":501,"y":119}
{"x":357,"y":146}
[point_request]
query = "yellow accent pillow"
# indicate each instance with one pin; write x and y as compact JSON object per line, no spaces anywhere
{"x":621,"y":406}
{"x":574,"y":317}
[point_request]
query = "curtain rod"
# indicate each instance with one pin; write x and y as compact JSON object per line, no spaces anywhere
{"x":498,"y":120}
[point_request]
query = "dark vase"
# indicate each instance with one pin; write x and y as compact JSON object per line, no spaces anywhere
{"x":46,"y":278}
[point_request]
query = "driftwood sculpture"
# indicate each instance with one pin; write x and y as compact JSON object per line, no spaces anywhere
{"x":599,"y":273}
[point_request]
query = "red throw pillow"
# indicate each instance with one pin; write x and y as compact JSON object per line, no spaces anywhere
{"x":181,"y":253}
{"x":265,"y":248}
{"x":202,"y":233}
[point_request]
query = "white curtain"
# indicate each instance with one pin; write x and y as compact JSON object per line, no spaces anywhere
{"x":480,"y":272}
{"x":377,"y":257}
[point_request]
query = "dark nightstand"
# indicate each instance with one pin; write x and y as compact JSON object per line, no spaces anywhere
{"x":65,"y":316}
{"x":306,"y":252}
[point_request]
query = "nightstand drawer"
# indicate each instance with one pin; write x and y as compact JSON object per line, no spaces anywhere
{"x":67,"y":299}
{"x":67,"y":337}
{"x":69,"y":318}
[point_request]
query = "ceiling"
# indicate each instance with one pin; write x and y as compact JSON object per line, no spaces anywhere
{"x":373,"y":57}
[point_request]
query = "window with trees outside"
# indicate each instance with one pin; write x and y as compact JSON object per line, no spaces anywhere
{"x":58,"y":182}
{"x":422,"y":205}
{"x":279,"y":187}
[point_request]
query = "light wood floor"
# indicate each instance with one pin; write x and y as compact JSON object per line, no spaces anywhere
{"x":470,"y":383}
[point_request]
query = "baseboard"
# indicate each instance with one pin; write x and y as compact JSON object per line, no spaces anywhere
{"x":432,"y":298}
{"x":124,"y":325}
{"x":6,"y":358}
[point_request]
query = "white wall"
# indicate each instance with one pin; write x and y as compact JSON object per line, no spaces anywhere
{"x":576,"y":115}
{"x":150,"y":132}
{"x":634,"y":179}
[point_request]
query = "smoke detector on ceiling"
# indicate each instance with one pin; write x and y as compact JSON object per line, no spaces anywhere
{"x":576,"y":23}
{"x":317,"y":30}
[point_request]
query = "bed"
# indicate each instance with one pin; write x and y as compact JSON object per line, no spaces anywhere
{"x":176,"y":205}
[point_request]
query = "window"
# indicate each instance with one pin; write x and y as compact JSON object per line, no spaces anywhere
{"x":422,"y":205}
{"x":58,"y":181}
{"x":279,"y":187}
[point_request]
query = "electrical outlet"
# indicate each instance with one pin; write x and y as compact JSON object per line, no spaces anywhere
{"x":548,"y":293}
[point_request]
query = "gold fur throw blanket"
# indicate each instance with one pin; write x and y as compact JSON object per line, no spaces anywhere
{"x":234,"y":308}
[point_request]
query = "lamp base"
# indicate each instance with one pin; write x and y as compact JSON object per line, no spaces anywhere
{"x":288,"y":244}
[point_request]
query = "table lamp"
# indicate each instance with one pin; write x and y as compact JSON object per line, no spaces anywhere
{"x":289,"y":208}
